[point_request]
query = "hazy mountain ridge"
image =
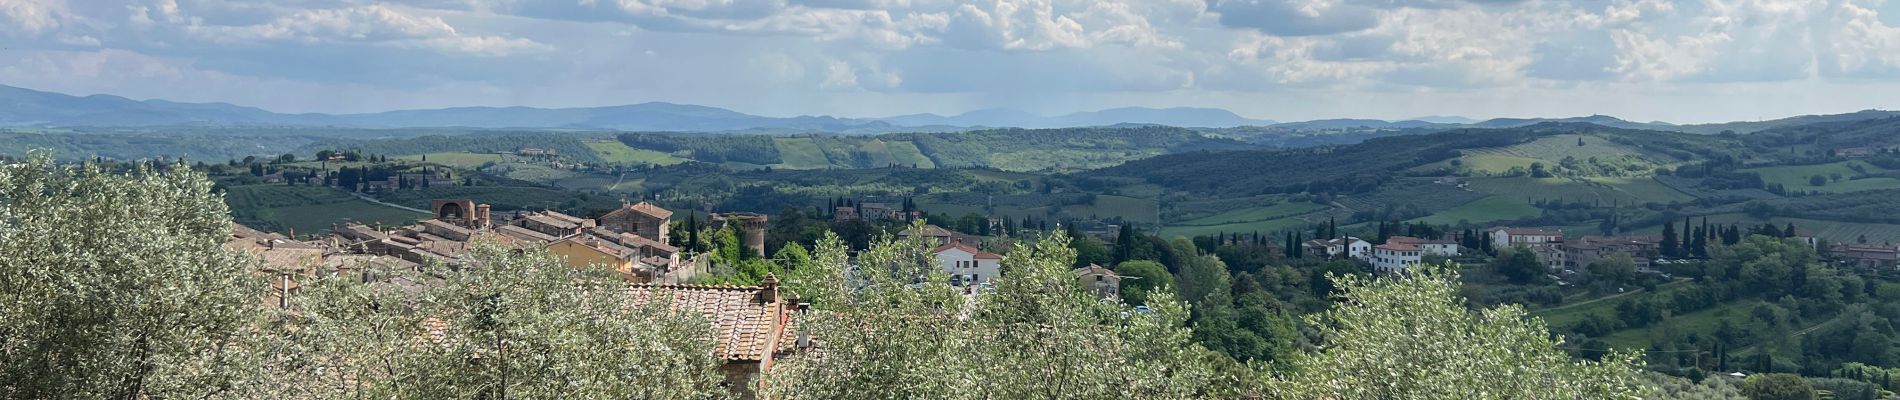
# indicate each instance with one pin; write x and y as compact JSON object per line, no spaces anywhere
{"x":27,"y":107}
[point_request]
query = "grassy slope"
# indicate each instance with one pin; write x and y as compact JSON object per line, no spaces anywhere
{"x":1255,"y":214}
{"x":1834,"y":231}
{"x":800,"y":153}
{"x":1493,"y":208}
{"x":1795,"y":177}
{"x":614,"y":151}
{"x":459,"y":159}
{"x":307,"y":209}
{"x":1606,"y":190}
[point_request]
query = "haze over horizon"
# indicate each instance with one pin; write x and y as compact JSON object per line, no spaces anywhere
{"x":1284,"y":60}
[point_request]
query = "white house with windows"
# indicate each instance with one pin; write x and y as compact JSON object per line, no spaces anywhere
{"x":1395,"y":257}
{"x":1504,"y":237}
{"x":1435,"y":247}
{"x":1347,"y":247}
{"x":968,"y":265}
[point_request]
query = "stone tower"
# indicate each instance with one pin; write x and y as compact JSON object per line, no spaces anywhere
{"x":751,"y":228}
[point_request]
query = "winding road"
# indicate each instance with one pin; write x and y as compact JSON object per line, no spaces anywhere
{"x":374,"y":200}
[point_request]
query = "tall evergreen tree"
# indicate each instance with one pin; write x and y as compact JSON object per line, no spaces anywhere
{"x":1298,"y":250}
{"x":1670,"y":246}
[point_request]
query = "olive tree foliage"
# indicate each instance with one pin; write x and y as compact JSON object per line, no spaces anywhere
{"x":1413,"y":338}
{"x":894,"y":328}
{"x":507,"y":324}
{"x":116,"y":285}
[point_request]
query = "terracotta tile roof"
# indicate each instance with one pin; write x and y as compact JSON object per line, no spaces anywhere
{"x":545,"y":219}
{"x":1398,"y":247}
{"x":927,"y":231}
{"x":1414,"y":240}
{"x":1525,"y":231}
{"x":644,"y":208}
{"x":632,"y":240}
{"x":577,"y":221}
{"x":1093,"y":269}
{"x":524,"y":233}
{"x":747,"y":321}
{"x":979,"y":253}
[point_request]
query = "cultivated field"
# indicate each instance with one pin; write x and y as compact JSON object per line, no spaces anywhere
{"x":1795,"y":177}
{"x":307,"y":209}
{"x":613,"y":151}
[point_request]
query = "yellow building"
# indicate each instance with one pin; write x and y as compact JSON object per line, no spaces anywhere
{"x":582,"y":251}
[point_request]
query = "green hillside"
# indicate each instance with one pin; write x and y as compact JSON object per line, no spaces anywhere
{"x":1058,"y":150}
{"x":1838,"y":177}
{"x":307,"y":209}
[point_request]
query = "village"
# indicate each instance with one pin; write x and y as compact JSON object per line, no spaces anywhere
{"x":753,"y":323}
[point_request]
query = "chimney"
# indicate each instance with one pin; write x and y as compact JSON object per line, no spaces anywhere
{"x":768,"y":291}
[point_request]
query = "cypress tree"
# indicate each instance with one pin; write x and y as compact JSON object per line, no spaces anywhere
{"x":1298,"y":251}
{"x":1669,"y":246}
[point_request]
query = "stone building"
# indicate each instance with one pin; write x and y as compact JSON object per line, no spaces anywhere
{"x":644,"y":219}
{"x":751,"y":228}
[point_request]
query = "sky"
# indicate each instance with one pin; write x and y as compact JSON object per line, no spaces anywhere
{"x":1683,"y":61}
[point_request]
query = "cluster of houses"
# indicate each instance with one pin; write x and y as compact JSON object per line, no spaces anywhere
{"x":752,"y":324}
{"x":961,"y":256}
{"x":1551,"y":248}
{"x":631,"y":240}
{"x":1396,"y":255}
{"x":1870,"y":256}
{"x":1558,"y":252}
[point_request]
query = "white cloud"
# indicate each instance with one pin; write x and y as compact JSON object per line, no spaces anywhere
{"x":32,"y":16}
{"x":372,"y":24}
{"x":973,"y":52}
{"x":1861,"y":44}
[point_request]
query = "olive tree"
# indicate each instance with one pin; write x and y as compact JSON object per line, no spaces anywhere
{"x":116,"y":284}
{"x":506,"y":324}
{"x":894,"y":328}
{"x":1413,"y":338}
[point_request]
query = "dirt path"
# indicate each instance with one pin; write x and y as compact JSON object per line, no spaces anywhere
{"x":374,"y":200}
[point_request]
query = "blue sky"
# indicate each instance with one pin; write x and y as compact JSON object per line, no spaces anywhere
{"x":1680,"y":61}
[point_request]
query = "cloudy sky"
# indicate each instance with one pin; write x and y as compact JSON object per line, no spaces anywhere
{"x":1680,"y":61}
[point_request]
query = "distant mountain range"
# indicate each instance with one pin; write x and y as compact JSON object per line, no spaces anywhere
{"x":27,"y":107}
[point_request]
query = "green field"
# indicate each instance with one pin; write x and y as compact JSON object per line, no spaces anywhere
{"x":1642,"y":189}
{"x":906,"y":153}
{"x":800,"y":153}
{"x":307,"y":209}
{"x":1605,"y":190}
{"x":1833,"y":231}
{"x":613,"y":151}
{"x":1493,"y":208}
{"x":1565,"y":316}
{"x":1553,"y":149}
{"x":1699,"y":322}
{"x":460,"y":159}
{"x":1795,"y":177}
{"x":1253,"y":214}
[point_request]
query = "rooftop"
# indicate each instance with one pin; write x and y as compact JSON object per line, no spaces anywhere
{"x":1397,"y":247}
{"x":979,"y":253}
{"x":747,"y":321}
{"x":926,"y":231}
{"x":643,"y":208}
{"x":1093,"y":269}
